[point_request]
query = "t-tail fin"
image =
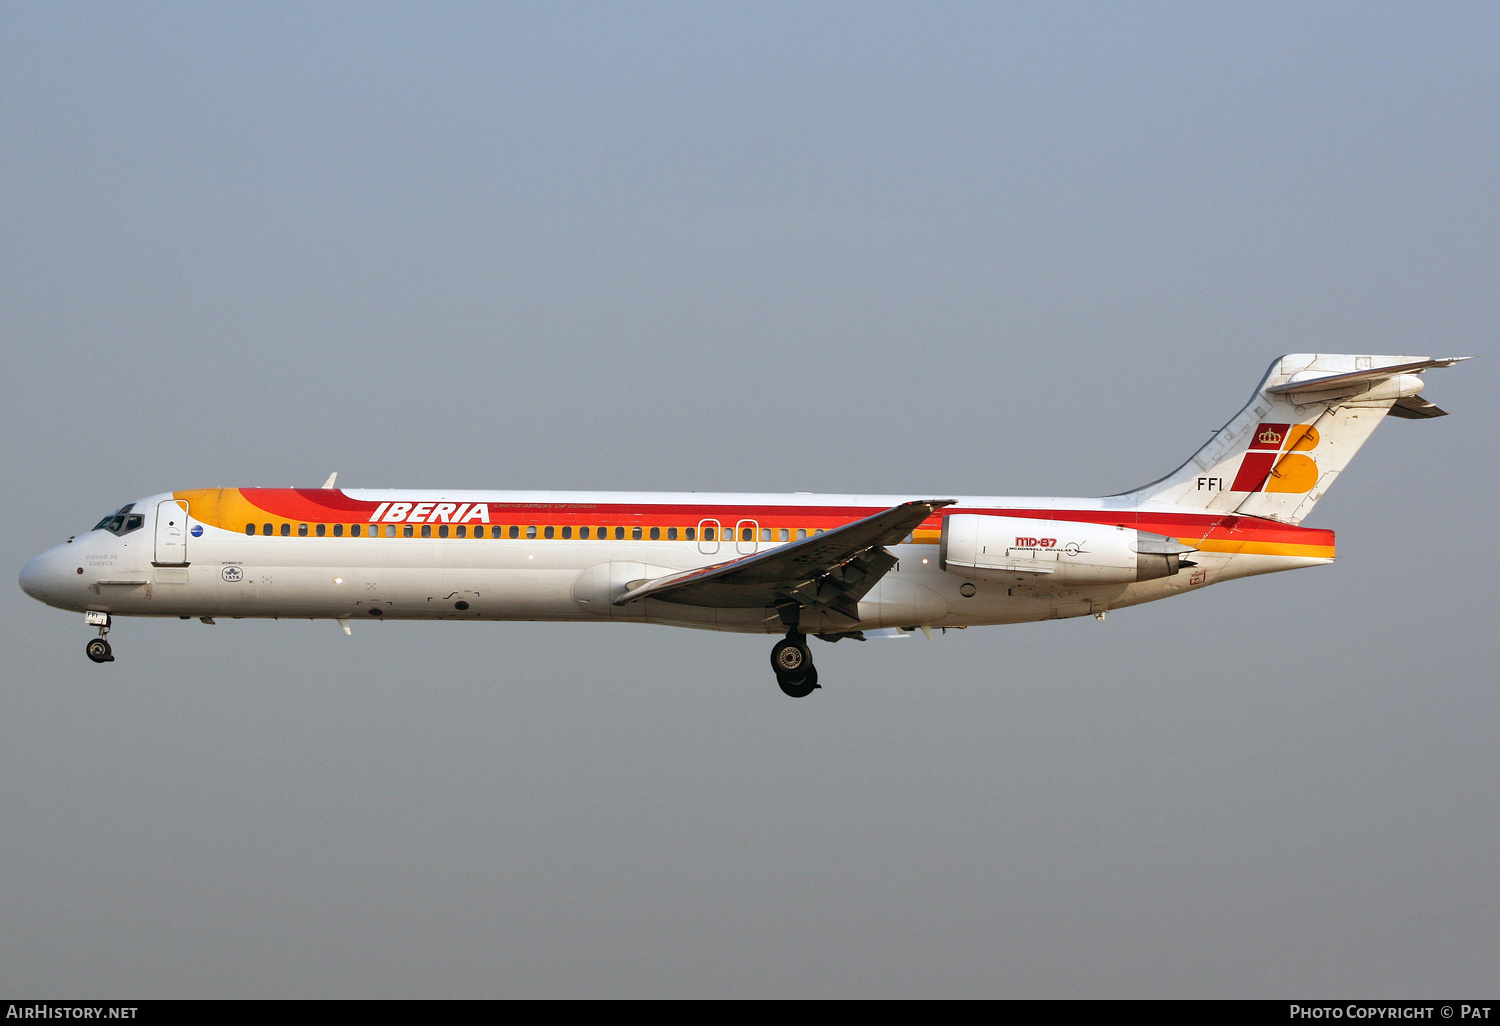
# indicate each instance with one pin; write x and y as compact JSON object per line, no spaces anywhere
{"x":1304,"y":423}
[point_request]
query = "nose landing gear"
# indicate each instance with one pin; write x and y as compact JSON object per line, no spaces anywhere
{"x":98,"y":648}
{"x":792,"y":661}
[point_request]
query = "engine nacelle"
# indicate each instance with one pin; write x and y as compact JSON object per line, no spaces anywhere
{"x":1060,"y":552}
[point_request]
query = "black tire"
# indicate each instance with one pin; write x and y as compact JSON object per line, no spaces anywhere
{"x":98,"y":650}
{"x":790,"y":658}
{"x":800,"y":686}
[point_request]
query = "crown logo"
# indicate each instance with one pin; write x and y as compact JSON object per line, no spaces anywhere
{"x":1269,"y":436}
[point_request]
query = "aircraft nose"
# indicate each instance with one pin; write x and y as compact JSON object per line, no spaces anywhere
{"x":39,"y":576}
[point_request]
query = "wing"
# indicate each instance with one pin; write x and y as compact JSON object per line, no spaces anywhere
{"x":833,"y":570}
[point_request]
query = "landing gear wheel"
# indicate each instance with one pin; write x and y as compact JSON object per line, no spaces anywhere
{"x":98,"y":651}
{"x":791,"y":658}
{"x":799,"y":686}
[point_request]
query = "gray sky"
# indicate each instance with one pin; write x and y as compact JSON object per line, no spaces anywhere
{"x":911,"y":248}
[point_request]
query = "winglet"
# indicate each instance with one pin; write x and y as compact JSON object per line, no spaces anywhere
{"x":331,"y":477}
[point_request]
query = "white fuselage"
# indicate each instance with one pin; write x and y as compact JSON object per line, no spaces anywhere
{"x":209,"y":565}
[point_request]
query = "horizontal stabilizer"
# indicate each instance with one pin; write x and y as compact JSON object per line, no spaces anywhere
{"x":1414,"y":407}
{"x":1329,"y":382}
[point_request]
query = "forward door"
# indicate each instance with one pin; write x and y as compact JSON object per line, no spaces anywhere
{"x":171,"y":534}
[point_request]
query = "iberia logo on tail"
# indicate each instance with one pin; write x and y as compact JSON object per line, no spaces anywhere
{"x":1278,"y":460}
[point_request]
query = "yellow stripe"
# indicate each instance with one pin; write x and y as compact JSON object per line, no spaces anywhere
{"x":1249,"y":548}
{"x":1253,"y":548}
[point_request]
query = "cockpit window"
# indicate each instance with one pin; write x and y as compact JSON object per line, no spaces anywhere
{"x":122,"y":521}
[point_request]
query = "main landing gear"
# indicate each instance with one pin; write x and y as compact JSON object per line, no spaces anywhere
{"x":98,"y":648}
{"x":792,"y":661}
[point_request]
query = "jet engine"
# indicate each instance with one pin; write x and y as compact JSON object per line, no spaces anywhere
{"x":1062,"y":552}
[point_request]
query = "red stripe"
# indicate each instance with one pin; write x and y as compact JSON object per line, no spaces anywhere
{"x":332,"y":506}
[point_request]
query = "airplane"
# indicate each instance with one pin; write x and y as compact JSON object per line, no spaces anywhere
{"x":833,"y":567}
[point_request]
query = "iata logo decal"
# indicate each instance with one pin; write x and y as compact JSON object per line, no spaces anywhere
{"x":430,"y":513}
{"x":232,"y":574}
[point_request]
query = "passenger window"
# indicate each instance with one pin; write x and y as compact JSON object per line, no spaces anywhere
{"x":635,"y":534}
{"x":460,"y":532}
{"x":286,"y":530}
{"x":531,"y":531}
{"x":783,"y":534}
{"x":583,"y":532}
{"x":656,"y":534}
{"x":249,"y":528}
{"x":515,"y":532}
{"x":619,"y":533}
{"x":322,"y":530}
{"x":390,"y":530}
{"x":548,"y":532}
{"x":818,"y":531}
{"x":690,"y":533}
{"x":407,"y":530}
{"x":354,"y":530}
{"x":747,"y":534}
{"x":301,"y":530}
{"x":266,"y":529}
{"x":765,"y":534}
{"x":426,"y":530}
{"x":708,"y":534}
{"x":443,"y":531}
{"x":338,"y":530}
{"x":567,"y":532}
{"x":671,"y":534}
{"x":801,"y":532}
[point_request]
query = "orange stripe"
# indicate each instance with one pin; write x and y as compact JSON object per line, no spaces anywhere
{"x":1253,"y":548}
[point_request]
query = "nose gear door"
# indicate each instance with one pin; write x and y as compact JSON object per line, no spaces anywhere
{"x":171,"y":534}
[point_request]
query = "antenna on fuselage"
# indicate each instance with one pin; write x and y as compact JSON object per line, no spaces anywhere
{"x":329,"y":482}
